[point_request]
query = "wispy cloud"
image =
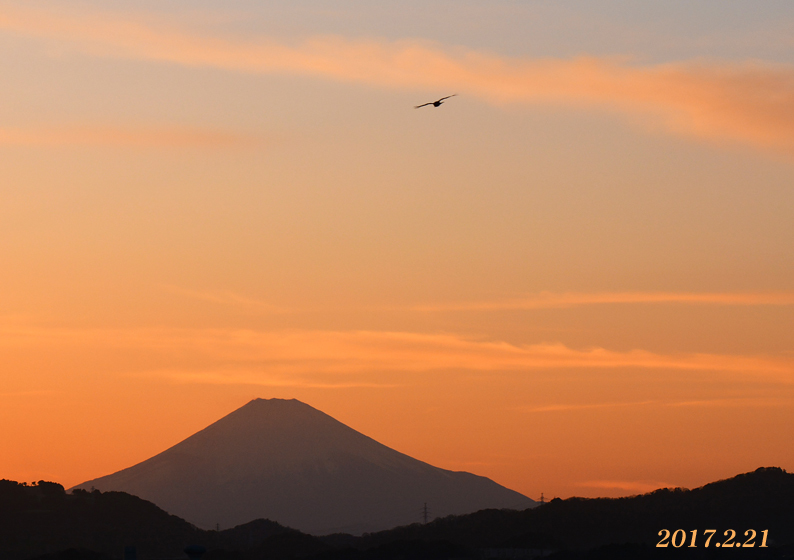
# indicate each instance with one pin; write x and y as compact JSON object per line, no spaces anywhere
{"x":750,"y":102}
{"x":227,"y":297}
{"x":263,"y":379}
{"x":542,"y":300}
{"x":733,"y":402}
{"x":170,"y":137}
{"x":299,"y":352}
{"x":569,"y":407}
{"x":547,"y":300}
{"x":639,"y":486}
{"x":715,"y":402}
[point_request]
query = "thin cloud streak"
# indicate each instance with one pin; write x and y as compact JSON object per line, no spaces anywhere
{"x":569,"y":407}
{"x":357,"y":352}
{"x":720,"y":402}
{"x":735,"y":402}
{"x":549,"y":300}
{"x":221,"y":377}
{"x":750,"y":102}
{"x":542,"y":300}
{"x":166,"y":137}
{"x":627,"y":485}
{"x":227,"y":297}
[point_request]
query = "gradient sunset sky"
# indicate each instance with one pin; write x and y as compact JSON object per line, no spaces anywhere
{"x":576,"y":277}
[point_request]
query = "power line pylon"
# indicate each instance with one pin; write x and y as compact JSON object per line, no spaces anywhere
{"x":425,"y":513}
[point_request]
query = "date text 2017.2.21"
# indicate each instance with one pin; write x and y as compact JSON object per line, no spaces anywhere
{"x":679,"y":538}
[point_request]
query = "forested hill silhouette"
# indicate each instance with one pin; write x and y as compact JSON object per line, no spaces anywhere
{"x":43,"y":520}
{"x":284,"y":460}
{"x":759,"y":500}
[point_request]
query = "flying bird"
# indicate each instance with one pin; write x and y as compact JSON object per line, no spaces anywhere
{"x":436,"y":103}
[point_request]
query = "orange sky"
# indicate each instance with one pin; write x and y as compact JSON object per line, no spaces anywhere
{"x":575,"y":277}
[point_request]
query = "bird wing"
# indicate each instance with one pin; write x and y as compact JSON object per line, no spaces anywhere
{"x":424,"y":105}
{"x":447,"y":97}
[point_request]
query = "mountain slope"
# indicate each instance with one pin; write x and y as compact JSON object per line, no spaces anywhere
{"x":286,"y":461}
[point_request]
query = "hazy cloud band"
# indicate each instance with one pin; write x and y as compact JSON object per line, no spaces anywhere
{"x":300,"y":352}
{"x":550,"y":300}
{"x":750,"y":102}
{"x":172,"y":137}
{"x":541,"y":300}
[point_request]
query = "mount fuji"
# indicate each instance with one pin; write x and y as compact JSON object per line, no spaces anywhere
{"x":288,"y":462}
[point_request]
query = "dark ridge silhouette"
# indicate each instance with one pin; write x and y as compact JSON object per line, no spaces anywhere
{"x":43,"y":522}
{"x":290,"y":544}
{"x":43,"y":519}
{"x":760,"y":500}
{"x":284,"y":460}
{"x":249,"y":535}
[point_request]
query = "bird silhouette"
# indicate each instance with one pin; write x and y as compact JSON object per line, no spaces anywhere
{"x":436,"y":103}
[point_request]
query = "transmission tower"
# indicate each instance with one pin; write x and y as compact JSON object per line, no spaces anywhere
{"x":425,"y":513}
